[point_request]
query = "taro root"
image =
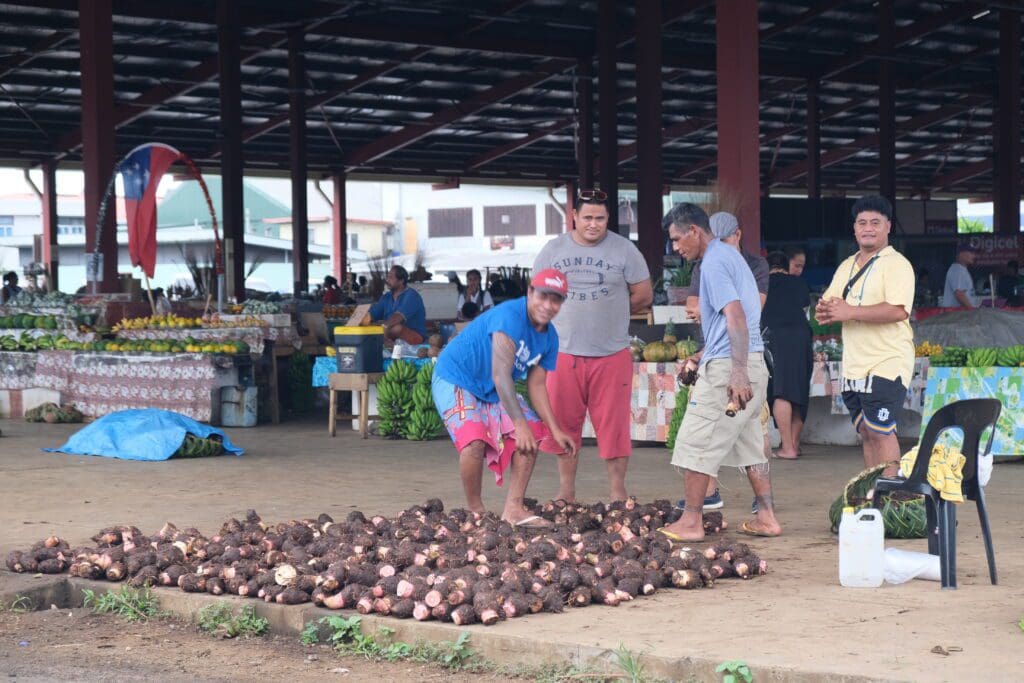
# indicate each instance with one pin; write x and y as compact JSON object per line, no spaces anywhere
{"x":16,"y":561}
{"x":404,"y":608}
{"x":215,"y":586}
{"x":146,"y":576}
{"x":487,"y":608}
{"x":579,"y":596}
{"x":192,"y":583}
{"x":116,"y":571}
{"x":750,"y":565}
{"x":442,"y":612}
{"x":51,"y":566}
{"x":292,"y":596}
{"x":463,"y":615}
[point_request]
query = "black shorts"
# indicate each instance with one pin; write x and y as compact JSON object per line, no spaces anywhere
{"x":879,"y":404}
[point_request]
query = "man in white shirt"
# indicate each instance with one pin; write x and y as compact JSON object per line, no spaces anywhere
{"x":959,"y":289}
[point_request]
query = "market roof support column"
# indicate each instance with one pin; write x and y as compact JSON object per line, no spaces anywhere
{"x":297,"y":158}
{"x":96,"y":37}
{"x":886,"y":103}
{"x":607,"y":84}
{"x":585,"y":123}
{"x":649,"y":135}
{"x":813,"y":141}
{"x":232,"y":216}
{"x":1006,"y":170}
{"x":339,"y":220}
{"x":736,"y":35}
{"x":51,"y":251}
{"x":570,"y":203}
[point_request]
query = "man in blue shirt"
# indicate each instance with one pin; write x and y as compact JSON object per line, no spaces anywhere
{"x":474,"y":390}
{"x":722,"y":423}
{"x":401,"y":309}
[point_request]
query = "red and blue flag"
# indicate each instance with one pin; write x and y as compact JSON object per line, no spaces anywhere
{"x":141,"y":171}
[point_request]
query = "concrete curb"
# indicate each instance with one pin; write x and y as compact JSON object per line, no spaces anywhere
{"x":496,"y":647}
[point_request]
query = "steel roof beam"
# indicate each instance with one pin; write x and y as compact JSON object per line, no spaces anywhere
{"x":838,"y":154}
{"x":901,"y":37}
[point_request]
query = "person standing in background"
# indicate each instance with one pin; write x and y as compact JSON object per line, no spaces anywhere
{"x":959,"y":289}
{"x":10,"y":288}
{"x":789,"y":341}
{"x":475,"y":294}
{"x":797,"y":258}
{"x":608,"y":280}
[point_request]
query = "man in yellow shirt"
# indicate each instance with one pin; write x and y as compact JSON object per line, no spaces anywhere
{"x":872,"y":294}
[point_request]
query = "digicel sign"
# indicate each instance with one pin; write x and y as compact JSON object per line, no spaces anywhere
{"x":996,"y":250}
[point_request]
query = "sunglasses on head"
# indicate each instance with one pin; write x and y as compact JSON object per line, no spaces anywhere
{"x":598,"y":195}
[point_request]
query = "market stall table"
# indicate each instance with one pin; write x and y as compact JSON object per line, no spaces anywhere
{"x":101,"y":383}
{"x":98,"y":383}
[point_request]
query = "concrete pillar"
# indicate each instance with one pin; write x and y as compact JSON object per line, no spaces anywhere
{"x":96,"y":38}
{"x":813,"y":141}
{"x":886,"y":103}
{"x":585,"y":123}
{"x":736,"y":34}
{"x":570,"y":202}
{"x":51,"y":251}
{"x":608,"y":106}
{"x":339,"y":221}
{"x":232,"y":216}
{"x":649,"y":134}
{"x":297,"y":159}
{"x":1006,"y":169}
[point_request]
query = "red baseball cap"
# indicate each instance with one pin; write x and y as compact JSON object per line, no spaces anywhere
{"x":551,"y":280}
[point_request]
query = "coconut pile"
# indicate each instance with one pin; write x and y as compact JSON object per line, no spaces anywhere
{"x":426,"y":563}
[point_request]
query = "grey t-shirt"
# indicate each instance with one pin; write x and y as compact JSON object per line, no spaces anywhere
{"x":726,"y":277}
{"x":594,"y":320}
{"x":758,"y":266}
{"x":957,"y":277}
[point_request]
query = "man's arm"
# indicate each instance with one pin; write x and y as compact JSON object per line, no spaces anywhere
{"x":641,"y":296}
{"x":739,"y":387}
{"x":964,"y":300}
{"x":840,"y":311}
{"x":503,"y":357}
{"x":536,"y":385}
{"x":503,"y":352}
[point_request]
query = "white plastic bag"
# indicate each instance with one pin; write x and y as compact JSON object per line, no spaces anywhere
{"x":985,"y":468}
{"x":903,"y":565}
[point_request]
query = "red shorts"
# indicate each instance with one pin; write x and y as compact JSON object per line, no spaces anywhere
{"x":602,"y":386}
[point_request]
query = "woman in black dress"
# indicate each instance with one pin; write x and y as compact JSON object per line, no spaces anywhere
{"x":789,"y":340}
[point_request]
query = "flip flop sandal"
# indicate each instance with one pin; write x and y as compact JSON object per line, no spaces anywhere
{"x":748,"y":530}
{"x":531,"y":523}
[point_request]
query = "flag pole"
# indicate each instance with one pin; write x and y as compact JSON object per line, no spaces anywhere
{"x":149,"y":292}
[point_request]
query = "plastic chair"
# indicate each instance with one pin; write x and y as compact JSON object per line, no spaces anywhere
{"x":973,"y":416}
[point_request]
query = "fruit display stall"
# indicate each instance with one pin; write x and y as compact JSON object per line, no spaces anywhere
{"x":48,"y":359}
{"x":656,"y":365}
{"x":959,"y":373}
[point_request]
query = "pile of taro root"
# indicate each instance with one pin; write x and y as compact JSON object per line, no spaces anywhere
{"x":427,"y":564}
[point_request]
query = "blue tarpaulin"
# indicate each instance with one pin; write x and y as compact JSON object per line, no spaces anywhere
{"x":147,"y":434}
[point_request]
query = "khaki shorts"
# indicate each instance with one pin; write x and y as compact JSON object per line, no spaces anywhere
{"x":708,"y":438}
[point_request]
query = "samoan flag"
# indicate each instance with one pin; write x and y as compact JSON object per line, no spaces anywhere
{"x":141,"y":171}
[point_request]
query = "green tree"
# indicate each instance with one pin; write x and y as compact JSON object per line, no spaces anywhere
{"x":971,"y":225}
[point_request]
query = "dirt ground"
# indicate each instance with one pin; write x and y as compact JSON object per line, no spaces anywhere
{"x":797,"y":618}
{"x":76,"y":644}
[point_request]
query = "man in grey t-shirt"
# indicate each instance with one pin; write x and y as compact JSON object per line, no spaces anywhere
{"x":959,"y":287}
{"x":608,"y":280}
{"x":722,"y":421}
